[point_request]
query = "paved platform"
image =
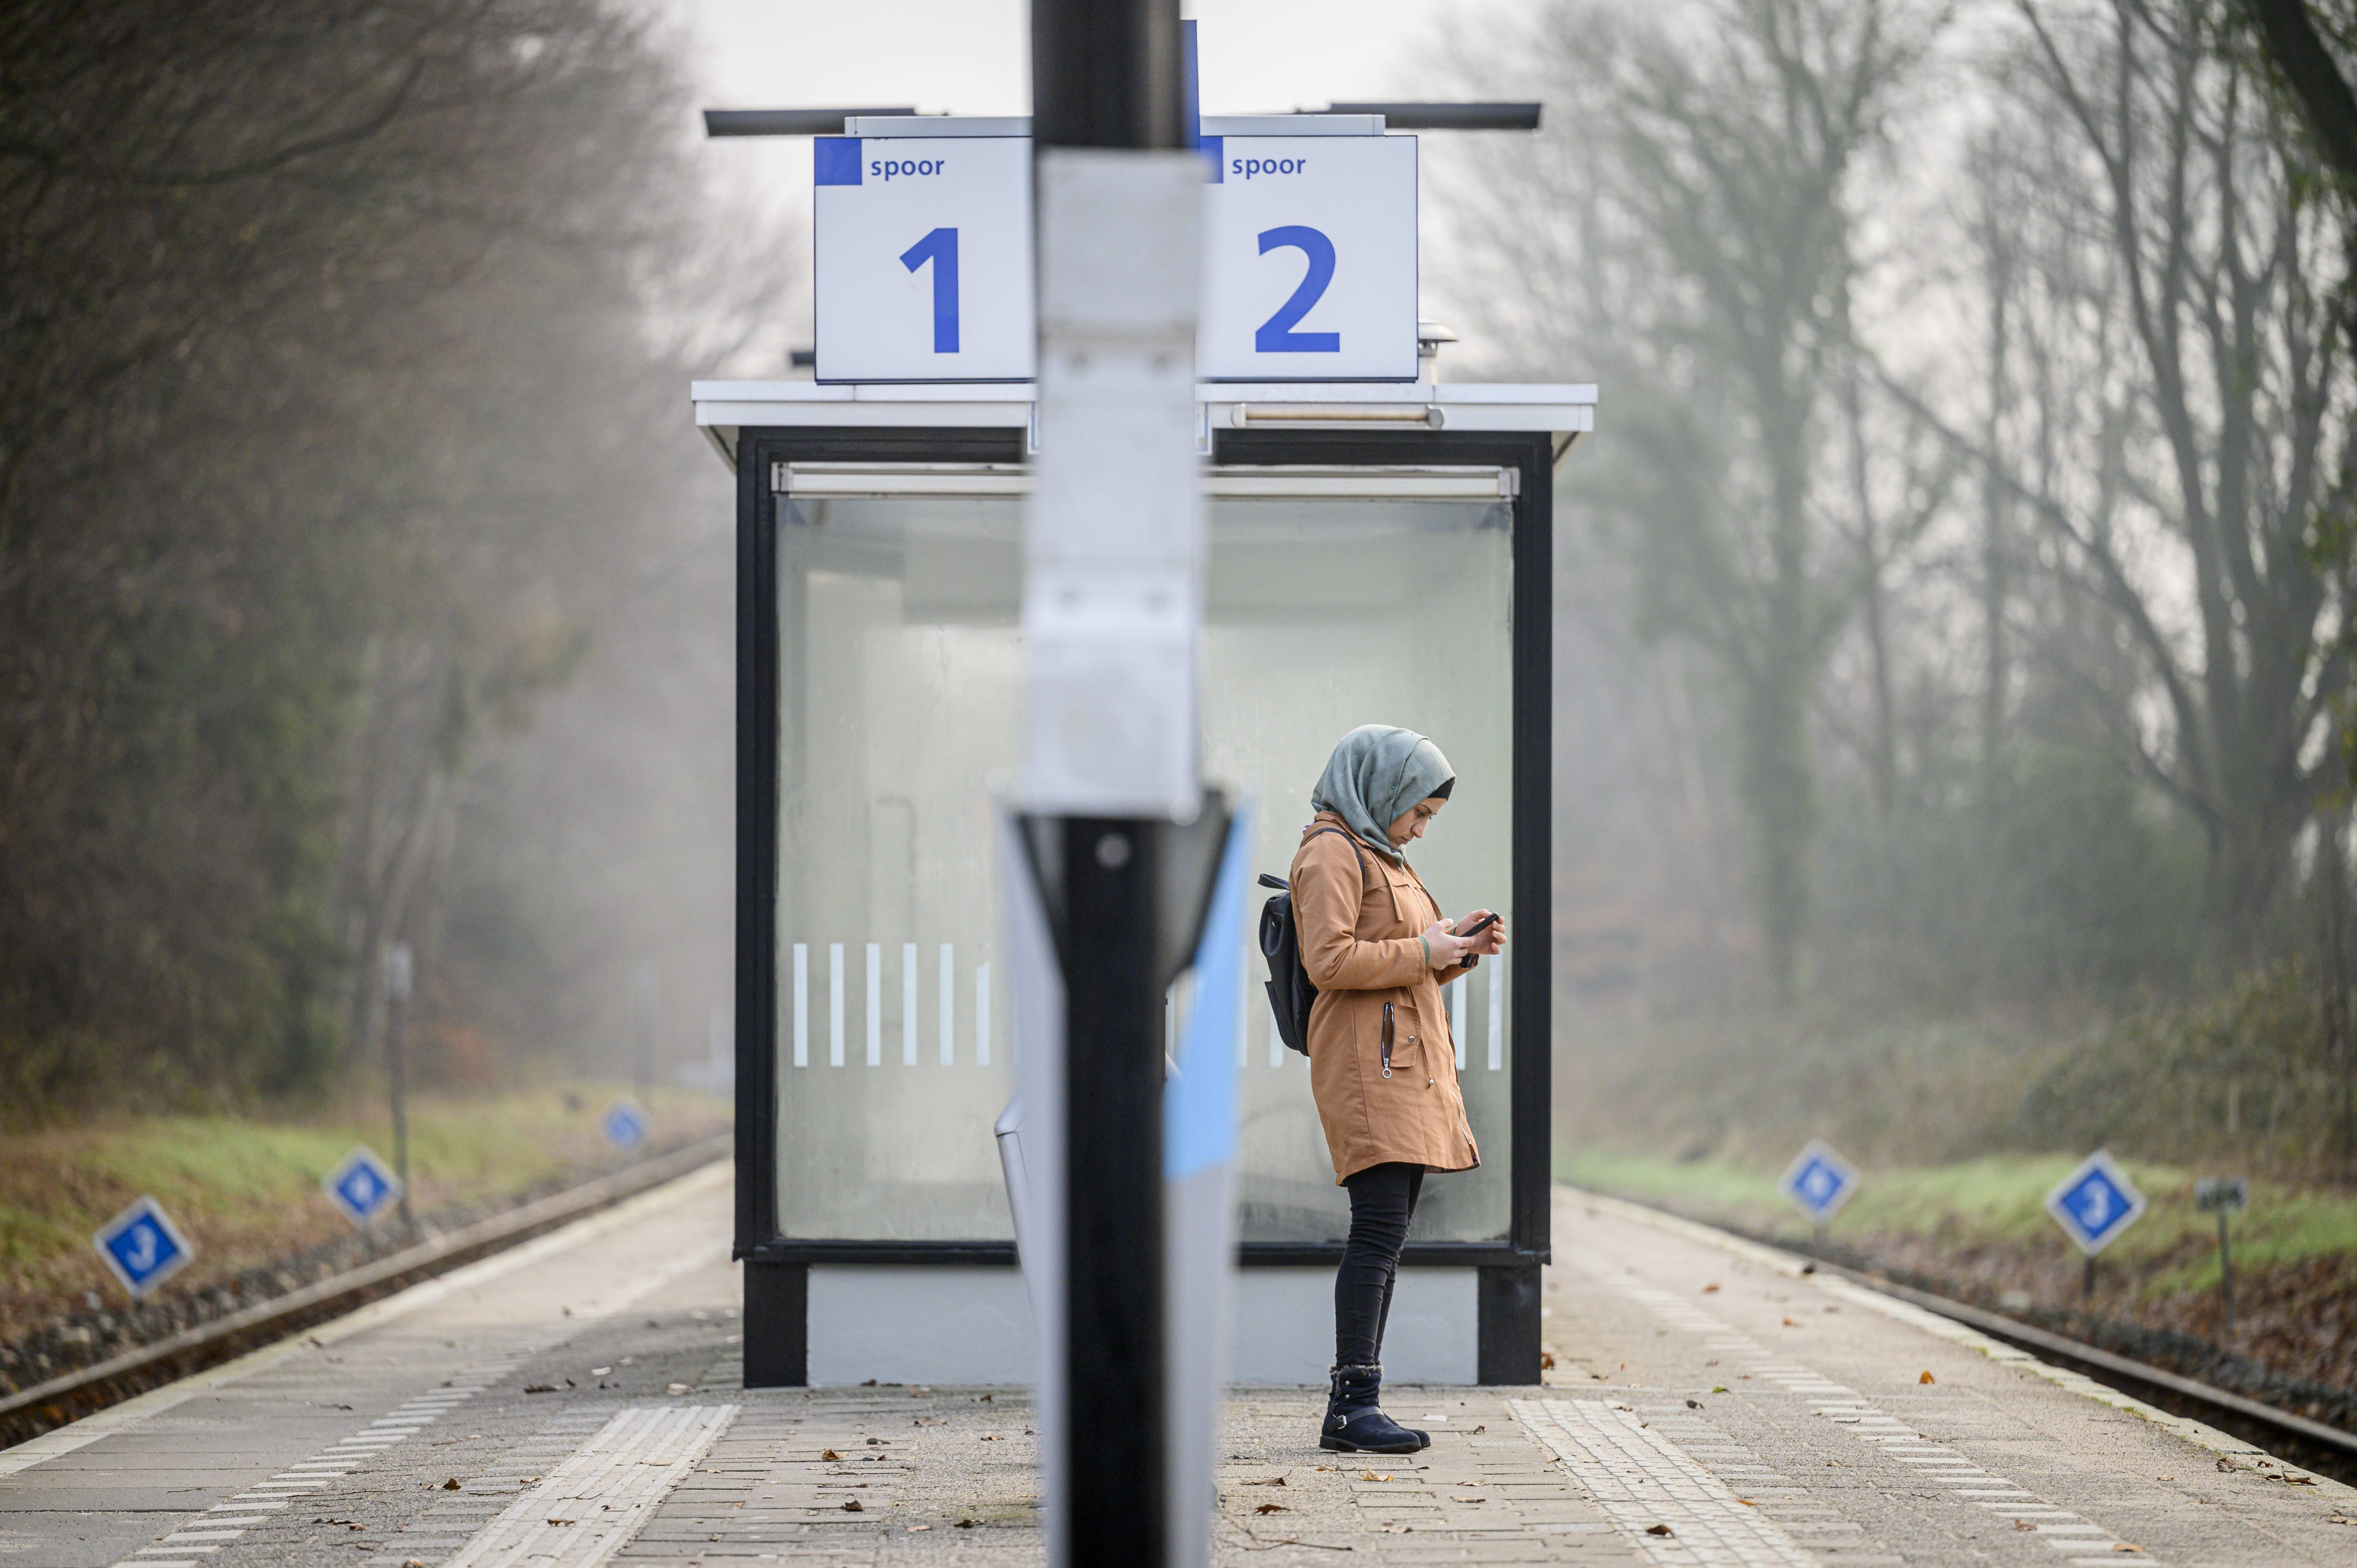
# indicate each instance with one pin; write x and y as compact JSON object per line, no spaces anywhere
{"x":576,"y":1403}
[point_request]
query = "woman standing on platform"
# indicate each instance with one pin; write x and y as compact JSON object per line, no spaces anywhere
{"x":1382,"y":1064}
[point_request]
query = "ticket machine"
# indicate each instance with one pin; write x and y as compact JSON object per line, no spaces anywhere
{"x":1379,"y":552}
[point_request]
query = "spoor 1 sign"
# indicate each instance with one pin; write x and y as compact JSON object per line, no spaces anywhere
{"x":1309,"y":265}
{"x":923,"y":259}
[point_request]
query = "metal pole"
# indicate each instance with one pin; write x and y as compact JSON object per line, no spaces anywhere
{"x":397,"y":978}
{"x":1105,"y":540}
{"x":2087,"y":1290}
{"x":643,"y":1045}
{"x":2225,"y":1273}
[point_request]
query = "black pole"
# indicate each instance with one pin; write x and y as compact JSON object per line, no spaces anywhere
{"x":1108,"y":74}
{"x":1113,"y":1191}
{"x":2087,"y":1290}
{"x":397,"y":988}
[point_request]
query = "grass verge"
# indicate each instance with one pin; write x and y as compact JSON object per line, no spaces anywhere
{"x":1977,"y":1230}
{"x":246,"y":1193}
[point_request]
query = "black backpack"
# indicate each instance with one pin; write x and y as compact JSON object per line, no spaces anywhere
{"x":1290,"y":993}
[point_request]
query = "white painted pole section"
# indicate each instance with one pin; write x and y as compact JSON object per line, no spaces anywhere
{"x":835,"y":1004}
{"x":1114,"y":537}
{"x":949,"y":1004}
{"x":1497,"y":1015}
{"x":908,"y":1004}
{"x":982,"y":1014}
{"x":1456,"y":989}
{"x":801,"y":1004}
{"x":875,"y":1004}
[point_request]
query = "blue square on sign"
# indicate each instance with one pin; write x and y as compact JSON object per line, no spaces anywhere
{"x":143,"y":1247}
{"x":363,"y":1186}
{"x":625,"y":1126}
{"x":834,"y":160}
{"x":2096,"y":1203}
{"x":1819,"y":1182}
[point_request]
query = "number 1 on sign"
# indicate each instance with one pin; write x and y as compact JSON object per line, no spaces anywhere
{"x":940,"y":247}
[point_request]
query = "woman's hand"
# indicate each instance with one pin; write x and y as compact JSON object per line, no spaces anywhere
{"x":1448,"y":950}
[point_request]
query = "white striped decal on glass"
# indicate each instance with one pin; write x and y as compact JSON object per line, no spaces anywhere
{"x":835,"y":1004}
{"x":908,"y":1004}
{"x":875,"y":1004}
{"x":801,"y":1004}
{"x":949,"y":1004}
{"x":1497,"y":1015}
{"x":1456,"y":989}
{"x":982,"y":1014}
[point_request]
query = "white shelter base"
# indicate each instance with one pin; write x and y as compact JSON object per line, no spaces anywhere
{"x":972,"y":1325}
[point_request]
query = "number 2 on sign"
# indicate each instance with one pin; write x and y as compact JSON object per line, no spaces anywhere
{"x":940,"y":247}
{"x":1276,"y":335}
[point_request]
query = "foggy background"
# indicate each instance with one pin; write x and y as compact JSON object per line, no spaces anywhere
{"x":1953,"y":690}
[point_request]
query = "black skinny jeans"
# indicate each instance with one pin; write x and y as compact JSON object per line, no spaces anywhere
{"x":1382,"y":1201}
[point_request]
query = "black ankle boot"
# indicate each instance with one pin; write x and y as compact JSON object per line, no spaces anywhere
{"x":1353,"y":1424}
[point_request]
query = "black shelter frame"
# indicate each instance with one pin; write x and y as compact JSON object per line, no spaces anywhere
{"x":777,"y":1267}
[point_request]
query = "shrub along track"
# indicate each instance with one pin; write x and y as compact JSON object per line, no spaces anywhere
{"x":83,"y":1391}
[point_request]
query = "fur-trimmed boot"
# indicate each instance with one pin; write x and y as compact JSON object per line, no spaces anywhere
{"x":1353,"y":1424}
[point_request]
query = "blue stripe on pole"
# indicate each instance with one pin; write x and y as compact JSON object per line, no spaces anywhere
{"x":1199,"y":1104}
{"x":834,"y":160}
{"x":1191,"y":75}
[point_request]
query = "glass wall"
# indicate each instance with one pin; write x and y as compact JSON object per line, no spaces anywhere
{"x":900,"y":689}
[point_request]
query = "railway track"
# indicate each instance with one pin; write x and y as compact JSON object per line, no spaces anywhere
{"x":2312,"y":1445}
{"x":73,"y":1395}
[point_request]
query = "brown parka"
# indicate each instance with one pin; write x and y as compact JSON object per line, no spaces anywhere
{"x":1358,"y":914}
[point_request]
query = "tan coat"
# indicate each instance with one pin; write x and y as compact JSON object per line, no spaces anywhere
{"x":1358,"y":914}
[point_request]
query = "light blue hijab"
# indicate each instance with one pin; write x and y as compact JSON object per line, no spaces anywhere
{"x":1376,"y":773}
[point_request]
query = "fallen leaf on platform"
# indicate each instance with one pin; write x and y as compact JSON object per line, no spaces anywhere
{"x":1747,"y":1502}
{"x":1272,"y":1507}
{"x":1272,"y":1481}
{"x":2124,"y":1546}
{"x":2299,"y":1481}
{"x":1468,"y":1500}
{"x":852,"y":1507}
{"x":963,"y":1524}
{"x":454,"y":1485}
{"x":1790,"y":1324}
{"x":2225,"y":1464}
{"x":1927,"y":1378}
{"x":830,"y":1453}
{"x":1547,"y":1360}
{"x":1659,"y":1530}
{"x":1710,"y":1290}
{"x":1718,"y":1388}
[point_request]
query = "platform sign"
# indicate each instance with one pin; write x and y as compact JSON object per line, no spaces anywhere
{"x":143,"y":1247}
{"x":363,"y":1186}
{"x":1309,"y":264}
{"x":2096,"y":1203}
{"x":626,"y":1124}
{"x":923,"y":259}
{"x":1819,"y":1182}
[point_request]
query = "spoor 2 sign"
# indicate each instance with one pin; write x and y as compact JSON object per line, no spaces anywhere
{"x":1309,"y":262}
{"x":924,"y":260}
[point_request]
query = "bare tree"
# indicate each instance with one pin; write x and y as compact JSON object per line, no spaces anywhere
{"x":1694,"y":240}
{"x":2183,"y":432}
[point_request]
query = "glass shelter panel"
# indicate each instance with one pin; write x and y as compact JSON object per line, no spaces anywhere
{"x":900,"y":682}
